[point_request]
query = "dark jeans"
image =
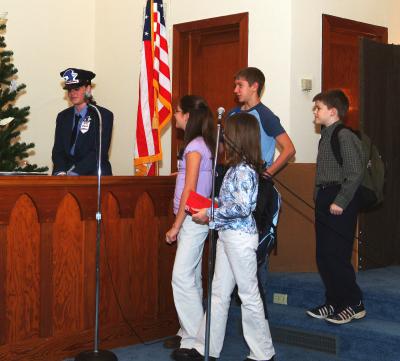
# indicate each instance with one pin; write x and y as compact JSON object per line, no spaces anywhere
{"x":335,"y":238}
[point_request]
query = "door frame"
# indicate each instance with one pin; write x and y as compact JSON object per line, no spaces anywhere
{"x":346,"y":27}
{"x":181,"y":62}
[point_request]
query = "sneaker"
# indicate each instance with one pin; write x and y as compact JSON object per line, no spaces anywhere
{"x":347,"y":314}
{"x":250,"y":359}
{"x":321,"y":312}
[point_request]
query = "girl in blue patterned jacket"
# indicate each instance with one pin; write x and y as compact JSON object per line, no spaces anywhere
{"x":237,"y":244}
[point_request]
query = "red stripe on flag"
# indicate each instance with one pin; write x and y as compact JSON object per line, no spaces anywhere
{"x":154,"y":106}
{"x":140,"y":134}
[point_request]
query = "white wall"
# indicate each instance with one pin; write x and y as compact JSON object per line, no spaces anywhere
{"x":394,"y":22}
{"x":284,"y":41}
{"x":119,"y":28}
{"x":47,"y":37}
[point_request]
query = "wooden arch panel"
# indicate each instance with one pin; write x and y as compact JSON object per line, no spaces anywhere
{"x":68,"y":270}
{"x":23,"y":271}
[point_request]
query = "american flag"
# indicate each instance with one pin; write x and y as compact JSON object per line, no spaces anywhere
{"x":154,"y":108}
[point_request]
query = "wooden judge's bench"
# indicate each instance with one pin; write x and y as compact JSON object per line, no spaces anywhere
{"x":47,"y":264}
{"x":47,"y":259}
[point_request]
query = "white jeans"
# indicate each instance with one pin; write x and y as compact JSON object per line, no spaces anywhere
{"x":236,"y":264}
{"x":186,"y":280}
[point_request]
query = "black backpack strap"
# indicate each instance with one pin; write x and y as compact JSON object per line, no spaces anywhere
{"x":263,"y":213}
{"x":335,"y":145}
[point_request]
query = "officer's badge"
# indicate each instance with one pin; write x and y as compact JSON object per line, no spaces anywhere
{"x":85,"y":125}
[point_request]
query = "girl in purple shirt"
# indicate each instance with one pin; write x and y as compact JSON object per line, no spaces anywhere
{"x":194,"y":117}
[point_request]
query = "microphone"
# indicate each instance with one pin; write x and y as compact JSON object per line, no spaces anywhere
{"x":220,"y":112}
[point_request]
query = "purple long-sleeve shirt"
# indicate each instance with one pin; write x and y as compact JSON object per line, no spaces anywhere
{"x":205,"y":172}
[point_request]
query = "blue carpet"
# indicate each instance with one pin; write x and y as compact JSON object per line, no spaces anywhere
{"x":284,"y":353}
{"x":381,"y":289}
{"x":374,"y":338}
{"x":234,"y":350}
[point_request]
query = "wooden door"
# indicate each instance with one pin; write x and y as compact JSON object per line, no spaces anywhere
{"x":379,"y":109}
{"x":207,"y":54}
{"x":340,"y":57}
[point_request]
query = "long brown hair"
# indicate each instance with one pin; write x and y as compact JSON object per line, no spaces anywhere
{"x":242,"y":141}
{"x":200,"y":122}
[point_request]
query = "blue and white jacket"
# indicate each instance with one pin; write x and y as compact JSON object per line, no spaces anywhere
{"x":237,"y":200}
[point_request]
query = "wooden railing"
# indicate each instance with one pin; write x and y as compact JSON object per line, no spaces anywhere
{"x":47,"y":264}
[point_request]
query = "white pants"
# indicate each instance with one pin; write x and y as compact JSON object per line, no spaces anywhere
{"x":236,"y":264}
{"x":186,"y":280}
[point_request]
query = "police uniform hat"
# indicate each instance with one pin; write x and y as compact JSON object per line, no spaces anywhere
{"x":75,"y":78}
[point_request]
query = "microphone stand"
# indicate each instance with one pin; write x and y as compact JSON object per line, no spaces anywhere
{"x":96,"y":354}
{"x":211,"y":244}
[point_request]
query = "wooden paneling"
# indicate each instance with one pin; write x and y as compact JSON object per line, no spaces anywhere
{"x":22,"y":270}
{"x":3,"y":280}
{"x":47,"y":264}
{"x":296,"y":235}
{"x":67,"y":268}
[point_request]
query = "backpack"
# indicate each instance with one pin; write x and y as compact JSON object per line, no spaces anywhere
{"x":371,"y":190}
{"x":266,"y":215}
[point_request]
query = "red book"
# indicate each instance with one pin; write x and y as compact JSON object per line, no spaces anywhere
{"x":197,"y":201}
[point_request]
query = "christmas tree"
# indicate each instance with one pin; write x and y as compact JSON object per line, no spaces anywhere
{"x":12,"y":152}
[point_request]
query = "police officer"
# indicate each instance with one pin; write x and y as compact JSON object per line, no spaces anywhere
{"x":75,"y":150}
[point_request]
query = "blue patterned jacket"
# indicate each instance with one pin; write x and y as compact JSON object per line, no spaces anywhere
{"x":237,"y":200}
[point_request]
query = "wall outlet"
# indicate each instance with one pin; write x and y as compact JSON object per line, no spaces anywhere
{"x":280,"y":298}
